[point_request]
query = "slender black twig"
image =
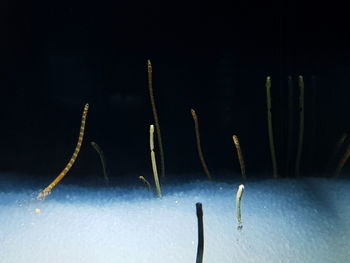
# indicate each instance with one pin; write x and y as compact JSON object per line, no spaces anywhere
{"x":200,"y":247}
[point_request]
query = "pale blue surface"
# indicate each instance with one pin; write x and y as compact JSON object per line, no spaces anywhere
{"x":284,"y":221}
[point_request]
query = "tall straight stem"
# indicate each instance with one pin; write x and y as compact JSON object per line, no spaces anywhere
{"x":301,"y":126}
{"x":153,"y":160}
{"x":155,"y":116}
{"x":290,"y":134}
{"x":269,"y":126}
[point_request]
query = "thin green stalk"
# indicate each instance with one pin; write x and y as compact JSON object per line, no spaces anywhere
{"x":301,"y":125}
{"x":103,"y":161}
{"x":290,"y":134}
{"x":269,"y":125}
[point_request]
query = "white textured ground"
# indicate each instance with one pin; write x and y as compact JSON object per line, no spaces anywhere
{"x":284,"y":221}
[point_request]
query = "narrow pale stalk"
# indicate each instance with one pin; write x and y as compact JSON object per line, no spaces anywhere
{"x":153,"y":159}
{"x":240,"y":156}
{"x":155,"y":117}
{"x":238,"y":206}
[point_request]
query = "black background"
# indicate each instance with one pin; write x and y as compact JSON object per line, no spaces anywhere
{"x":213,"y":57}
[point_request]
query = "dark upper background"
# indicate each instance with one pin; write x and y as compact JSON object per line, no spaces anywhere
{"x":58,"y":55}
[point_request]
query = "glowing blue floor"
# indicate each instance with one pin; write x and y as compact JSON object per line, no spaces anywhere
{"x":283,"y":221}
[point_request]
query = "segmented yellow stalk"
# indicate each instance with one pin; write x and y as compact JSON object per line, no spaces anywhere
{"x":103,"y":161}
{"x":240,"y":155}
{"x":301,"y":125}
{"x":155,"y":116}
{"x":269,"y":125}
{"x":199,"y":147}
{"x":238,"y":206}
{"x":153,"y":159}
{"x":47,"y":190}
